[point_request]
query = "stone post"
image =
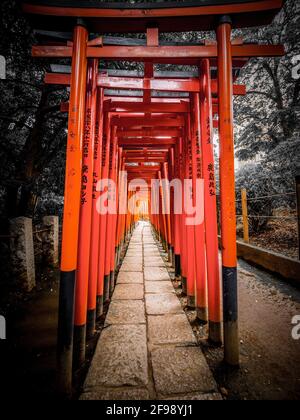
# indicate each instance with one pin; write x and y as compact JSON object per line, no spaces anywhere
{"x":51,"y":240}
{"x":22,"y":252}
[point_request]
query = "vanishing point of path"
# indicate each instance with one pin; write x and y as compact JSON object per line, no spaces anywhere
{"x":147,"y":349}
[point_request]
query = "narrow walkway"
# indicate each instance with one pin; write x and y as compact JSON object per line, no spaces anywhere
{"x":148,"y":349}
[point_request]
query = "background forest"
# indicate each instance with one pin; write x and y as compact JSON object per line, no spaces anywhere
{"x":33,"y":130}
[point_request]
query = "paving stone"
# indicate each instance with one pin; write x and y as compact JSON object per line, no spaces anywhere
{"x":116,"y":395}
{"x":153,"y":255}
{"x":162,"y":304}
{"x":156,"y":274}
{"x":133,"y":260}
{"x":134,"y":253}
{"x":120,"y":358}
{"x":130,"y":277}
{"x":128,"y":292}
{"x":131,"y":267}
{"x":154,"y":262}
{"x":126,"y":312}
{"x":159,"y":287}
{"x":180,"y":370}
{"x":170,"y":329}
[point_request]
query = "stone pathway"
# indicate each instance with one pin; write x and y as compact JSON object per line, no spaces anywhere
{"x":147,"y":349}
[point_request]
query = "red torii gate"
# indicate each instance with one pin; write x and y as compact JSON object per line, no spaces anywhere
{"x":105,"y":138}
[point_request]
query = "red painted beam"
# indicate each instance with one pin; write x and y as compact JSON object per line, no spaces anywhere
{"x":144,"y":152}
{"x":135,"y":18}
{"x":121,"y":106}
{"x":155,"y":54}
{"x":129,"y":121}
{"x":162,"y":132}
{"x":146,"y":143}
{"x":167,"y":85}
{"x":141,"y":169}
{"x":161,"y":99}
{"x":150,"y":140}
{"x":143,"y":159}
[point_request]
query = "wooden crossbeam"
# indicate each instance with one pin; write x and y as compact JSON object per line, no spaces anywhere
{"x":144,"y":168}
{"x":122,"y":106}
{"x":156,"y":54}
{"x":135,"y":17}
{"x":172,"y":85}
{"x":129,"y":121}
{"x":147,"y":160}
{"x":142,"y":142}
{"x":158,"y":133}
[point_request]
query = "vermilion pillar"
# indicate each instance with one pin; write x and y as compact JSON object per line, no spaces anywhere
{"x":182,"y":225}
{"x":172,"y":201}
{"x":200,"y":246}
{"x":71,"y":210}
{"x":189,"y":229}
{"x":94,"y":248}
{"x":177,"y":248}
{"x":210,"y":206}
{"x":227,"y":187}
{"x":83,"y":265}
{"x":95,"y":240}
{"x":110,"y":240}
{"x":102,"y":281}
{"x":114,"y":200}
{"x":167,"y":207}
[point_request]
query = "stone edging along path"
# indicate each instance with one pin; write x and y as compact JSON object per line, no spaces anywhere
{"x":147,"y":349}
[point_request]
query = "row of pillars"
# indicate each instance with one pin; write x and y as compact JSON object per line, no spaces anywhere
{"x":91,"y":242}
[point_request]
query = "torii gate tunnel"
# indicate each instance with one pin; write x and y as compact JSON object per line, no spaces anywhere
{"x":154,"y":126}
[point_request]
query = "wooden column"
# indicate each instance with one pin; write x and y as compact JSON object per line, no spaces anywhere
{"x":83,"y":265}
{"x":71,"y":211}
{"x":210,"y":206}
{"x":227,"y":188}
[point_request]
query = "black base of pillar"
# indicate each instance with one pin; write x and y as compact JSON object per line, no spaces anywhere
{"x":65,"y":333}
{"x":177,"y":266}
{"x":99,"y":307}
{"x":184,"y":285}
{"x":191,"y":302}
{"x":106,"y":288}
{"x":202,"y":315}
{"x":79,"y":345}
{"x":170,"y":254}
{"x":112,"y":283}
{"x":230,"y":312}
{"x":215,"y":333}
{"x":91,"y":324}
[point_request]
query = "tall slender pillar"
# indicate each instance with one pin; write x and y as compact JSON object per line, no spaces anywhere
{"x":227,"y":188}
{"x":199,"y":231}
{"x":103,"y":280}
{"x":71,"y":211}
{"x":95,"y":239}
{"x":210,"y":206}
{"x":82,"y":278}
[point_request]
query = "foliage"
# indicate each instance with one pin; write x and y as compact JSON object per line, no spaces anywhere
{"x":267,"y":119}
{"x":269,"y":114}
{"x":32,"y":127}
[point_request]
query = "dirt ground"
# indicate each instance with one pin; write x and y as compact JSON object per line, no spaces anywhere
{"x":270,"y":358}
{"x":281,"y":235}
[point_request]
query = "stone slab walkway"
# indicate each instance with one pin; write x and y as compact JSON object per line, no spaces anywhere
{"x":147,"y":349}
